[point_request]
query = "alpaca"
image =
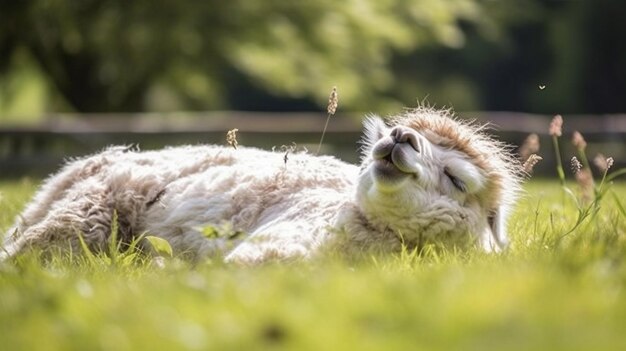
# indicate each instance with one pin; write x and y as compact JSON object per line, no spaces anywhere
{"x":425,"y":177}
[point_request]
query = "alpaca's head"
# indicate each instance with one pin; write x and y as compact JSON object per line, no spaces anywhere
{"x":431,"y":178}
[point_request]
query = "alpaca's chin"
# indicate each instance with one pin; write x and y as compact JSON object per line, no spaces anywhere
{"x":387,"y":177}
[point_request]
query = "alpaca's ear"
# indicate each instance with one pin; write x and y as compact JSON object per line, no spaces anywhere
{"x":496,"y":238}
{"x":374,"y":129}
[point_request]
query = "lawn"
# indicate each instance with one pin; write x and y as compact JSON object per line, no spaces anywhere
{"x":553,"y":290}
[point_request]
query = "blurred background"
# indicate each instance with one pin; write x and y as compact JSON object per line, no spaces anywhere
{"x":79,"y":75}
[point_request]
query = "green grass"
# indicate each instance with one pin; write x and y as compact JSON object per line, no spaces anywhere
{"x":550,"y":291}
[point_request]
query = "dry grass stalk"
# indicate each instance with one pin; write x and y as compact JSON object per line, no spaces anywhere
{"x":530,"y":163}
{"x":231,"y":137}
{"x":530,"y":146}
{"x":333,"y":102}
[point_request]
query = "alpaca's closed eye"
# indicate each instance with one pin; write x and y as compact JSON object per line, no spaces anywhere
{"x":458,"y":183}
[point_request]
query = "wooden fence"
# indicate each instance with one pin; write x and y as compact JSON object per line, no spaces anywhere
{"x":38,"y":150}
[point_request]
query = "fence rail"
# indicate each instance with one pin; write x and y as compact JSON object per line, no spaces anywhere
{"x":37,"y":150}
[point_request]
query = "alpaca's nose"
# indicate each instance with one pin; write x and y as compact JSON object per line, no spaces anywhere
{"x":402,"y":134}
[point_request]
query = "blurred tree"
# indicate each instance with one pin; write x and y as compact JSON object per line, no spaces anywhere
{"x":94,"y":55}
{"x":135,"y":55}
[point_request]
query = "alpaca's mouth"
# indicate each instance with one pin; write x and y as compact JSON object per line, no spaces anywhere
{"x":386,"y":169}
{"x":387,"y":159}
{"x":398,"y":156}
{"x":394,"y":162}
{"x":401,"y":155}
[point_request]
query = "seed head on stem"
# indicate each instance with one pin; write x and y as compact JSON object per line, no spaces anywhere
{"x":576,"y":165}
{"x":556,"y":130}
{"x":601,"y":162}
{"x":333,"y":102}
{"x":556,"y":126}
{"x":231,"y":137}
{"x":580,"y":144}
{"x":530,"y":146}
{"x":530,"y":163}
{"x":578,"y":141}
{"x":609,"y":163}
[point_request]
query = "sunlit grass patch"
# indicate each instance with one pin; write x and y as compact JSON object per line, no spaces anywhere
{"x":542,"y":293}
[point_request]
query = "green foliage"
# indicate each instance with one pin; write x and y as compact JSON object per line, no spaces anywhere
{"x":548,"y":291}
{"x":164,"y":55}
{"x":95,"y":56}
{"x":160,"y":245}
{"x":224,"y":231}
{"x":382,"y":54}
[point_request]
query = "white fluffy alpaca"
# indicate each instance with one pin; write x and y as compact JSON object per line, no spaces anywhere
{"x":425,"y":178}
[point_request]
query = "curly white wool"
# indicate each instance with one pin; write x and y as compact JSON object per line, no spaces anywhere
{"x":316,"y":204}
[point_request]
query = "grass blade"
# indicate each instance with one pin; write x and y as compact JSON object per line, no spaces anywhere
{"x":160,"y":245}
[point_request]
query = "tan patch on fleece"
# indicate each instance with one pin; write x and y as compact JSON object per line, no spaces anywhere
{"x":449,"y":133}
